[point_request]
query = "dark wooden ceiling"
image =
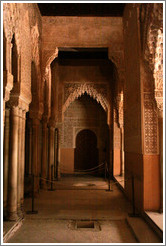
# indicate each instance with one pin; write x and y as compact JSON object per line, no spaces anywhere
{"x":81,"y":9}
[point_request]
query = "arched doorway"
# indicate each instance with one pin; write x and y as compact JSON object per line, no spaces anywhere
{"x":86,"y":152}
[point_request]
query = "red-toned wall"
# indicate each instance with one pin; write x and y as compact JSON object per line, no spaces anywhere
{"x":142,"y":166}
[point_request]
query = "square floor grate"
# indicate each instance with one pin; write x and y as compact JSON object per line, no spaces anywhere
{"x":86,"y":225}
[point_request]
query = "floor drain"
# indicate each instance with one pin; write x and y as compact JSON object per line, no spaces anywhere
{"x":91,"y":185}
{"x":85,"y":225}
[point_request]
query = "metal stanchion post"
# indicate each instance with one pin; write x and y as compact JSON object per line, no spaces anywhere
{"x":133,"y":214}
{"x":33,"y":197}
{"x":105,"y":170}
{"x":109,"y":181}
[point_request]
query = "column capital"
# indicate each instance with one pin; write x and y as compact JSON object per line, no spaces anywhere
{"x":17,"y":101}
{"x":52,"y":124}
{"x":35,"y":114}
{"x":14,"y":110}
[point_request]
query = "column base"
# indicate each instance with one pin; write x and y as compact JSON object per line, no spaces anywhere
{"x":12,"y":216}
{"x":20,"y":213}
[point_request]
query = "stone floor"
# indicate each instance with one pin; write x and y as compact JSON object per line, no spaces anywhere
{"x":77,"y":199}
{"x":157,"y":218}
{"x":58,"y":231}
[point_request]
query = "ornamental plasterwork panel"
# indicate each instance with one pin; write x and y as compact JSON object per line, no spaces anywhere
{"x":150,"y":126}
{"x":35,"y":44}
{"x":11,"y":15}
{"x":74,"y":90}
{"x":151,"y":18}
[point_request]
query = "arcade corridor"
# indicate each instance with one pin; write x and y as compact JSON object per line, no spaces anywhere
{"x":83,"y":122}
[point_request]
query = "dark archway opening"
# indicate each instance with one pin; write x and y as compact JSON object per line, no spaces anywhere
{"x":14,"y":60}
{"x":86,"y":151}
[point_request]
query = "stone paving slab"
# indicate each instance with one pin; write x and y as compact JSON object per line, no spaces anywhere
{"x":142,"y":230}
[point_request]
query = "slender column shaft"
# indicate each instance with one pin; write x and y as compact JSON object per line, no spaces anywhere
{"x":44,"y":153}
{"x":6,"y":160}
{"x":29,"y":148}
{"x":12,"y":195}
{"x":23,"y":158}
{"x":19,"y":162}
{"x":35,"y":130}
{"x":51,"y":151}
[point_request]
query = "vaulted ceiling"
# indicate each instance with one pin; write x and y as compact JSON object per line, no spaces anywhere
{"x":81,"y":9}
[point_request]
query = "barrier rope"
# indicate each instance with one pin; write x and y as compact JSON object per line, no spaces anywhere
{"x":85,"y":170}
{"x":57,"y":182}
{"x":85,"y":173}
{"x":88,"y":172}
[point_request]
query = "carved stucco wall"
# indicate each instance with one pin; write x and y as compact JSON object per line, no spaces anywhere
{"x":19,"y":19}
{"x":84,"y":113}
{"x":151,"y":27}
{"x":71,"y":82}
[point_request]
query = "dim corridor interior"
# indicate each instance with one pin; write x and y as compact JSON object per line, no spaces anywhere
{"x":83,"y":104}
{"x":75,"y":199}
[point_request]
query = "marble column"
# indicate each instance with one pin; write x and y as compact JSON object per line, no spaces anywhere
{"x":44,"y":154}
{"x":35,"y":136}
{"x":19,"y":164}
{"x":12,"y":184}
{"x":22,"y":159}
{"x":6,"y":160}
{"x":51,"y":150}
